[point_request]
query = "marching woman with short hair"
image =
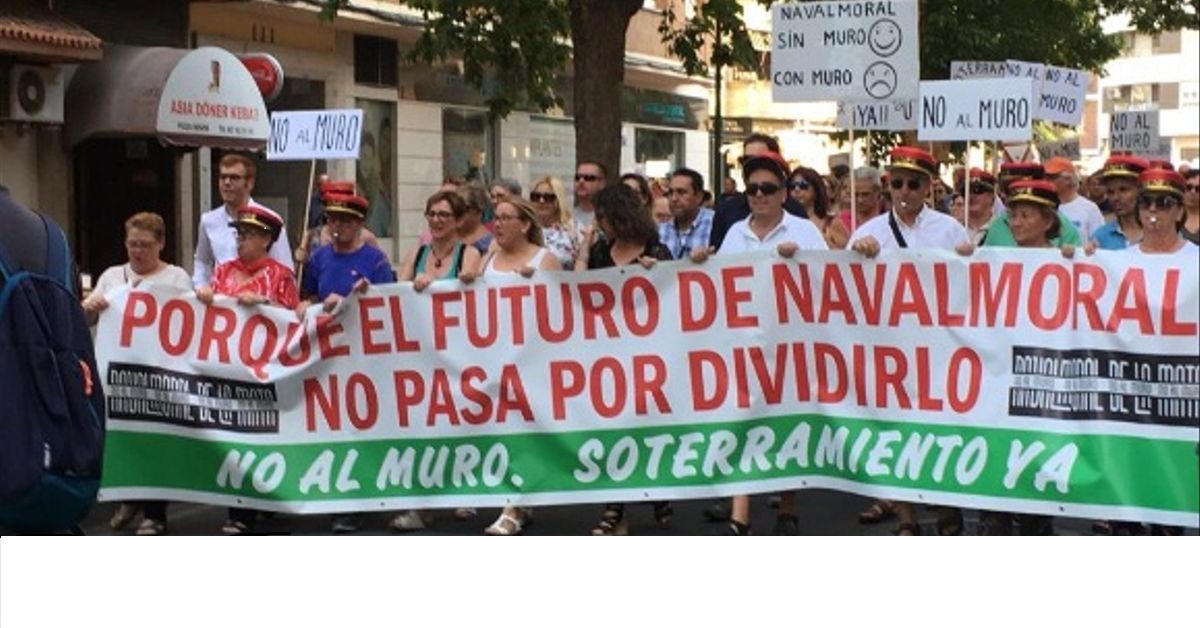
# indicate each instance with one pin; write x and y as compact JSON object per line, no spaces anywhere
{"x":253,"y":278}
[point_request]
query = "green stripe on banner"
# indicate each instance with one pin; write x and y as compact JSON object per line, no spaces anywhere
{"x":1082,"y":469}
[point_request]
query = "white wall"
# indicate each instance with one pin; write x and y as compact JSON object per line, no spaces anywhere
{"x":419,"y":168}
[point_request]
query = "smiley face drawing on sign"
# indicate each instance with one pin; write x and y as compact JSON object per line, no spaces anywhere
{"x":880,"y":80}
{"x":885,"y":37}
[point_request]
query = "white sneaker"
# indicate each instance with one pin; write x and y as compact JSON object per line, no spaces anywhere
{"x":408,"y":521}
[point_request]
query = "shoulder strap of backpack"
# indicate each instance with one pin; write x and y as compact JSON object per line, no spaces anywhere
{"x":58,"y":255}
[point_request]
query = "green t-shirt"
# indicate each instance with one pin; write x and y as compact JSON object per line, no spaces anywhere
{"x":999,"y":233}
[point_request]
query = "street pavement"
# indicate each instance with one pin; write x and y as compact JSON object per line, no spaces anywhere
{"x":820,"y":512}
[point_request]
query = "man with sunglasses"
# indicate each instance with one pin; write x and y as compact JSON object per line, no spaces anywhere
{"x":691,"y":223}
{"x":737,"y":208}
{"x":1083,"y":213}
{"x":1120,"y":176}
{"x":982,"y":208}
{"x":911,"y":223}
{"x":1191,"y":206}
{"x":590,"y":178}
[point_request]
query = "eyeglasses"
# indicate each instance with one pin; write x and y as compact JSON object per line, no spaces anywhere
{"x":1191,"y":187}
{"x":767,"y":189}
{"x":676,"y":191}
{"x":976,"y":188}
{"x":581,"y":176}
{"x":798,"y":185}
{"x":1161,"y":202}
{"x":913,"y":184}
{"x":432,"y":215}
{"x":539,"y":197}
{"x":505,"y":218}
{"x":230,"y":177}
{"x":250,"y":231}
{"x":139,"y":244}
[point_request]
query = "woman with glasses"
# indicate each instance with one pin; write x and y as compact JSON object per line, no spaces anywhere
{"x":554,"y":216}
{"x":145,"y":236}
{"x":253,"y":278}
{"x":768,"y":228}
{"x":808,"y":188}
{"x":518,"y":251}
{"x":630,"y":237}
{"x":445,"y":257}
{"x":1162,"y":215}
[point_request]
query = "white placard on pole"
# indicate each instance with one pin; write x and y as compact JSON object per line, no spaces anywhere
{"x":986,"y":109}
{"x":844,"y":51}
{"x":896,"y":115}
{"x":967,"y":70}
{"x":1137,"y":132}
{"x":1062,"y":148}
{"x":1032,"y":71}
{"x":1063,"y":93}
{"x":320,"y":134}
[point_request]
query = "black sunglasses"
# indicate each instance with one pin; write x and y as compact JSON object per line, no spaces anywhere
{"x":767,"y":189}
{"x":913,"y":184}
{"x":539,"y":197}
{"x":798,"y":185}
{"x":976,"y":188}
{"x":587,"y":177}
{"x":1191,"y":187}
{"x":1161,"y":202}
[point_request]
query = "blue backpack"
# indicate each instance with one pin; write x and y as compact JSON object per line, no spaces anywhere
{"x":51,"y":399}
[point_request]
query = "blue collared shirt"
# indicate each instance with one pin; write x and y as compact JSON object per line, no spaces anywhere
{"x":681,"y":243}
{"x":1110,"y":238}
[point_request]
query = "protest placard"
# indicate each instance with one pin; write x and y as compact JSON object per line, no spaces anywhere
{"x":320,"y":134}
{"x":987,"y":382}
{"x":1068,"y":148}
{"x":1137,"y":132}
{"x":1064,"y":91}
{"x":897,"y":115}
{"x":966,"y":70}
{"x":857,"y":51}
{"x":984,"y":109}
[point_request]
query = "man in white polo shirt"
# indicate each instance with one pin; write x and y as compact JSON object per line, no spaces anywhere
{"x":768,"y":228}
{"x":768,"y":225}
{"x":1080,"y":211}
{"x":217,"y":241}
{"x":914,"y":225}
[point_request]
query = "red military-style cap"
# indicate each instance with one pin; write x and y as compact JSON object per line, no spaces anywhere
{"x":259,"y":217}
{"x":1161,"y":164}
{"x":349,"y":204}
{"x":1033,"y":191}
{"x":1125,"y":166}
{"x":768,"y":160}
{"x":914,"y":159}
{"x":982,"y":178}
{"x":337,"y":187}
{"x":1162,"y":181}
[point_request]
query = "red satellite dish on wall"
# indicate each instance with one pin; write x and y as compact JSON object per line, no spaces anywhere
{"x":267,"y":73}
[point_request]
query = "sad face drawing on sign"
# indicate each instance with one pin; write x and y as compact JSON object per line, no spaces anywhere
{"x":880,"y":80}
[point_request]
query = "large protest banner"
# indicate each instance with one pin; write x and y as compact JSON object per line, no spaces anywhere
{"x":1014,"y":380}
{"x":848,"y":50}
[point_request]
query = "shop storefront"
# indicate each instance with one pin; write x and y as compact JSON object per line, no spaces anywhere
{"x":133,"y":122}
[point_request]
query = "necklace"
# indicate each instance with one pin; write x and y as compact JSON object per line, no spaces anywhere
{"x":437,"y":259}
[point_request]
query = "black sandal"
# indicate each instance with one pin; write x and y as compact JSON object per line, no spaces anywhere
{"x":663,"y":513}
{"x":612,"y":522}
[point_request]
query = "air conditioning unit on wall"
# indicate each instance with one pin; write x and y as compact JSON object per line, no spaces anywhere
{"x":33,"y":94}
